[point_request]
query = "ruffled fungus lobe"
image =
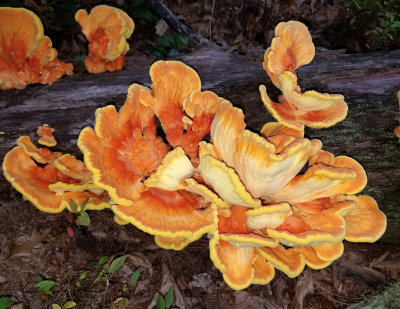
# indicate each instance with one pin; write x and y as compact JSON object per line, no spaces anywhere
{"x":291,"y":48}
{"x":107,"y":29}
{"x":26,"y":55}
{"x":133,"y":164}
{"x":269,"y":204}
{"x":46,"y":138}
{"x":51,"y":187}
{"x":184,"y":111}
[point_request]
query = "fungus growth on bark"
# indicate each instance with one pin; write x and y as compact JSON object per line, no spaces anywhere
{"x":291,"y":48}
{"x":26,"y":55}
{"x":267,"y":201}
{"x":107,"y":29}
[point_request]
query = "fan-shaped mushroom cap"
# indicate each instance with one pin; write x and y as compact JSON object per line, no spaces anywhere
{"x":291,"y":48}
{"x":169,"y":214}
{"x":366,"y":223}
{"x":296,"y":109}
{"x":123,"y":148}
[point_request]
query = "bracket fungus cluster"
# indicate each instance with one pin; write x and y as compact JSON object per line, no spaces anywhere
{"x":50,"y":180}
{"x":26,"y":55}
{"x":107,"y":29}
{"x":268,"y":201}
{"x":291,"y":48}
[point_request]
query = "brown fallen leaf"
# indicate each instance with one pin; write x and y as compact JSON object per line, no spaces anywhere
{"x":25,"y":248}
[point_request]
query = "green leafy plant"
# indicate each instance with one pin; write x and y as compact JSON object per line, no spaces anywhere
{"x":5,"y":302}
{"x":378,"y":20}
{"x":165,"y":302}
{"x":44,"y":285}
{"x":168,"y":45}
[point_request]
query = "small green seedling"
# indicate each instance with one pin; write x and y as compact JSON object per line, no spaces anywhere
{"x":83,"y":217}
{"x":135,"y":276}
{"x":82,"y":276}
{"x":110,"y":269}
{"x":5,"y":302}
{"x":44,"y":285}
{"x":167,"y":301}
{"x":67,"y":305}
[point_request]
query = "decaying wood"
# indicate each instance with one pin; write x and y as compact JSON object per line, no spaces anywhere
{"x":368,"y":81}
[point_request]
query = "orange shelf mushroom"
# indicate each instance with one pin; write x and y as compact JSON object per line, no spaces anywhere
{"x":107,"y":29}
{"x":269,"y":205}
{"x":26,"y":55}
{"x":138,"y":169}
{"x":184,"y":111}
{"x":51,"y":187}
{"x":263,"y":210}
{"x":291,"y":48}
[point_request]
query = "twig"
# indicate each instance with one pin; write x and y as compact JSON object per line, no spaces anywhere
{"x":212,"y":14}
{"x":173,"y":22}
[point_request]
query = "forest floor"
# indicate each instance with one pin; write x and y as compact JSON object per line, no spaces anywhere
{"x":36,"y":244}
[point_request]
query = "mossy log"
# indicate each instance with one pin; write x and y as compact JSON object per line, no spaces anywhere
{"x":368,"y":81}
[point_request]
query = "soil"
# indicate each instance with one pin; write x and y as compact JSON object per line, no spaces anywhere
{"x":30,"y":246}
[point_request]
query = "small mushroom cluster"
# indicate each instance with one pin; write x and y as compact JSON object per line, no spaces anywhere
{"x":27,"y":56}
{"x":290,"y":49}
{"x":268,"y":201}
{"x":50,"y":180}
{"x":107,"y":29}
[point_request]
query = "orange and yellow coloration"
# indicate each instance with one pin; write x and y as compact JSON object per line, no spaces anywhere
{"x":46,"y":138}
{"x":107,"y":29}
{"x":26,"y":55}
{"x":51,"y":187}
{"x":138,"y":169}
{"x":263,"y":210}
{"x":291,"y":48}
{"x":271,"y":204}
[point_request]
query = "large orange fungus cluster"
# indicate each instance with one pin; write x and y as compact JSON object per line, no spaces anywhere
{"x":267,"y":201}
{"x":107,"y":29}
{"x":26,"y":55}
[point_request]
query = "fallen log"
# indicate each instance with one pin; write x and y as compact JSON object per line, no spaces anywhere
{"x":368,"y":81}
